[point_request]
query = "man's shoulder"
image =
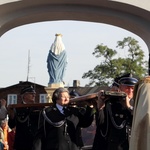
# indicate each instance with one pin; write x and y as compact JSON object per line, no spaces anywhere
{"x":50,"y":109}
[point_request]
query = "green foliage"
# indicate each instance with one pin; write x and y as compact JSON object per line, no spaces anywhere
{"x":111,"y":67}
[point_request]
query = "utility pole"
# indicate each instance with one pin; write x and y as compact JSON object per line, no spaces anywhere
{"x":28,"y":68}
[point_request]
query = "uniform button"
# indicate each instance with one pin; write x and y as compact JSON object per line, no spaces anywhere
{"x":121,"y":115}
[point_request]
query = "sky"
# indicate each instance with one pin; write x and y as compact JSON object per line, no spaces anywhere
{"x":34,"y":40}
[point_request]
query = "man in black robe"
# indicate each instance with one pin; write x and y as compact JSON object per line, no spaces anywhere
{"x":25,"y":119}
{"x":61,"y":123}
{"x":114,"y":117}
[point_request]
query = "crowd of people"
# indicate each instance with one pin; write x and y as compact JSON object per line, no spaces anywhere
{"x":59,"y":127}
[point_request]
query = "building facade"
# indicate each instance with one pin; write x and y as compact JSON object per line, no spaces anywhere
{"x":12,"y":93}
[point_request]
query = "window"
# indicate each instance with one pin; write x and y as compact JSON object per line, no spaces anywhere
{"x":43,"y":98}
{"x":11,"y":99}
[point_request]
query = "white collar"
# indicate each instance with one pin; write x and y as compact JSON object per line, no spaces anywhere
{"x":60,"y":108}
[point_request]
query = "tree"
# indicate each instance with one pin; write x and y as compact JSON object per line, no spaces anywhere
{"x":110,"y":66}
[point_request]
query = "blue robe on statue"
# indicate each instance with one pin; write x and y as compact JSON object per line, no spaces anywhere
{"x":56,"y":65}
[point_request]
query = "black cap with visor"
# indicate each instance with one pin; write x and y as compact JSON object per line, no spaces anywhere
{"x":128,"y":81}
{"x":28,"y":89}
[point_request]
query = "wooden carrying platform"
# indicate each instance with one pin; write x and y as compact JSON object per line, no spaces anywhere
{"x":93,"y":96}
{"x":72,"y":101}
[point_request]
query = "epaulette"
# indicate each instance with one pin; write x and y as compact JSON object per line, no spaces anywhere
{"x":50,"y":108}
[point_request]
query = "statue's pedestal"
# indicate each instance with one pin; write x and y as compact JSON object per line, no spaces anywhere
{"x":50,"y":89}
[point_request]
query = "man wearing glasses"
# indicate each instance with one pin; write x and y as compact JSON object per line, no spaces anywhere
{"x":25,"y":119}
{"x":114,"y":117}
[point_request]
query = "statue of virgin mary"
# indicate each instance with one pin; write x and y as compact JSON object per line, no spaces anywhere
{"x":57,"y":61}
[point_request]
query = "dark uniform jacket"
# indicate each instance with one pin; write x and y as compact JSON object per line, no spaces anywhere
{"x":62,"y":131}
{"x":113,"y":123}
{"x":26,"y":122}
